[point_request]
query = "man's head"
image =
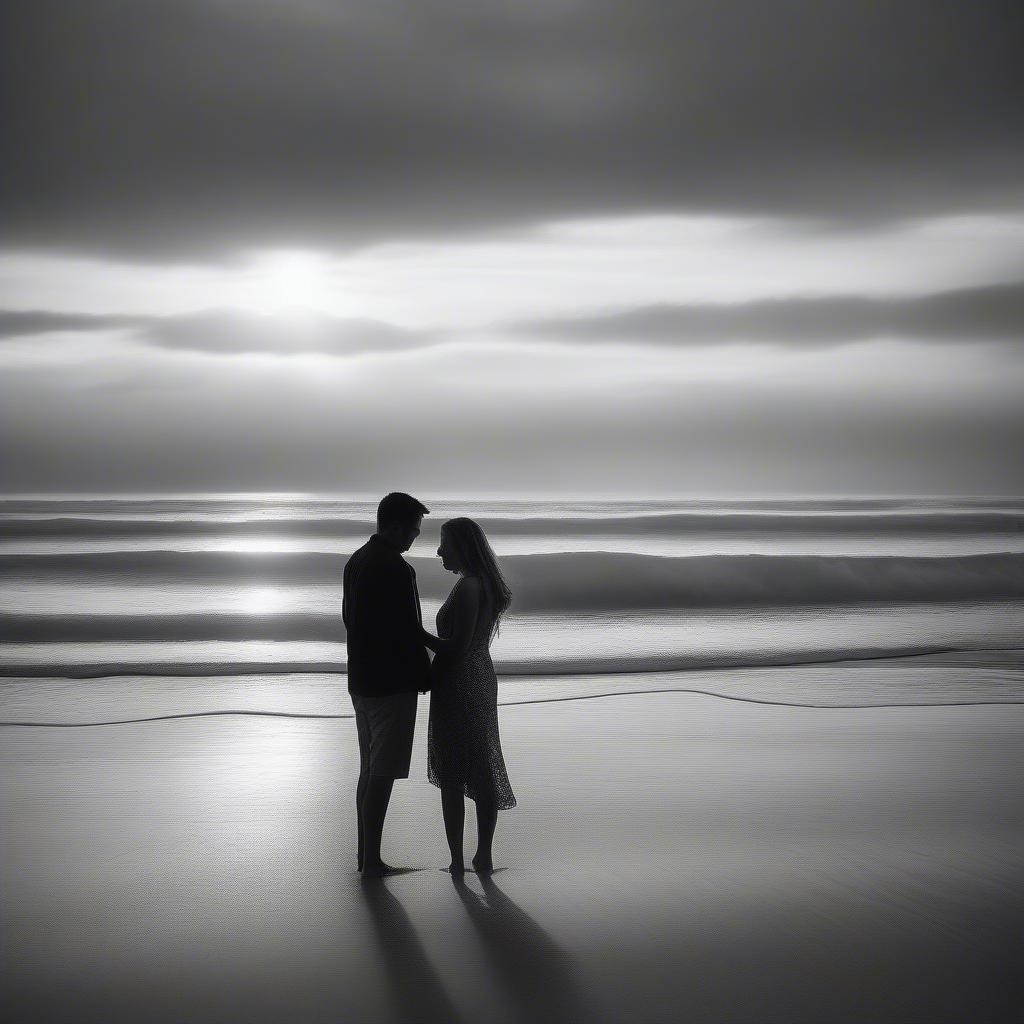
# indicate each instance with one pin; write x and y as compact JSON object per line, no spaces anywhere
{"x":398,"y":519}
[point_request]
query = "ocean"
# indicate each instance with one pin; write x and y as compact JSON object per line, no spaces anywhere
{"x":160,"y":604}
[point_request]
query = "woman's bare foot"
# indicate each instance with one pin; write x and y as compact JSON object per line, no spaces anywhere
{"x":483,"y":865}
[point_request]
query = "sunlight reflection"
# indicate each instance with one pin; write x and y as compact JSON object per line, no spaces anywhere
{"x":262,"y":600}
{"x":260,"y":545}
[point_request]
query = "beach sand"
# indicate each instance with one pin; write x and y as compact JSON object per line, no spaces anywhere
{"x":673,"y":858}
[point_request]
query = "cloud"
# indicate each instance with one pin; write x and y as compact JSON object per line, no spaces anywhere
{"x":994,"y":313}
{"x":25,"y":323}
{"x":559,"y":269}
{"x":165,"y":130}
{"x":229,"y":331}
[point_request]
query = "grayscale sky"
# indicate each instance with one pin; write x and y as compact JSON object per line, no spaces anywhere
{"x":489,"y":247}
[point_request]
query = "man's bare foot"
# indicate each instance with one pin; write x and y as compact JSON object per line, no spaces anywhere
{"x":483,"y":866}
{"x":378,"y":870}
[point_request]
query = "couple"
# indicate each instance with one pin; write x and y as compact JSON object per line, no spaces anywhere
{"x":388,"y":665}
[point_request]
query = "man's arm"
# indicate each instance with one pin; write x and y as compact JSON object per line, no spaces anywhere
{"x":353,"y":583}
{"x":394,"y":603}
{"x":346,"y":586}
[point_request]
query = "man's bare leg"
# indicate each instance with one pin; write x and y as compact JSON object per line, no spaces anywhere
{"x":376,"y":797}
{"x":360,"y":796}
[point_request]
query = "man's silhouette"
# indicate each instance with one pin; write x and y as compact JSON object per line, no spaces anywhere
{"x":387,"y":664}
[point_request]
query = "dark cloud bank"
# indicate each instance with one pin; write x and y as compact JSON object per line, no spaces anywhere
{"x":994,"y":313}
{"x":154,"y":129}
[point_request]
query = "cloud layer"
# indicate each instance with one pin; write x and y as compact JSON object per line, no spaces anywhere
{"x":154,"y":128}
{"x":622,"y":247}
{"x":995,"y":313}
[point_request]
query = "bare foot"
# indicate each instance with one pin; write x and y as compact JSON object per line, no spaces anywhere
{"x":378,"y":870}
{"x":483,"y":866}
{"x":455,"y":870}
{"x":386,"y":867}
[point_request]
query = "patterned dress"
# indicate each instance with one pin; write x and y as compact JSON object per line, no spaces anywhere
{"x":463,"y":747}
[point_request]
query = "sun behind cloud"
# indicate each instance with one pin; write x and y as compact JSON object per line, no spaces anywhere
{"x":288,"y":282}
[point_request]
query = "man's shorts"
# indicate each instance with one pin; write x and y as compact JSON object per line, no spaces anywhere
{"x":385,"y":726}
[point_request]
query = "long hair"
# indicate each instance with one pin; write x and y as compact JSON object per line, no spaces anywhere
{"x":478,"y":560}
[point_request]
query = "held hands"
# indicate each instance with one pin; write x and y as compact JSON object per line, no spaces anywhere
{"x":429,"y":640}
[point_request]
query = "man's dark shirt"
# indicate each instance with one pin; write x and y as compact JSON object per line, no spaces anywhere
{"x":381,"y":609}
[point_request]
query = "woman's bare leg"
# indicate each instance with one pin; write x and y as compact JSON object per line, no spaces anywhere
{"x":486,"y":819}
{"x":453,"y":808}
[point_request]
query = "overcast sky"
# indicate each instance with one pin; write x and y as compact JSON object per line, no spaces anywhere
{"x":481,"y":246}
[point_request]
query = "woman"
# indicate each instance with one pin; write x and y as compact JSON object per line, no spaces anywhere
{"x":463,"y":749}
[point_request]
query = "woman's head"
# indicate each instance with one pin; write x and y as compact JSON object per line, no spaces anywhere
{"x":464,"y":549}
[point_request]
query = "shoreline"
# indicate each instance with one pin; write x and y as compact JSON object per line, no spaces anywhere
{"x":598,"y":666}
{"x":950,"y":679}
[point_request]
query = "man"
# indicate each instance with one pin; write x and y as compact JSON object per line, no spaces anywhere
{"x":387,"y":664}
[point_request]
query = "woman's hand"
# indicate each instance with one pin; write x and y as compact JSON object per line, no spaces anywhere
{"x":429,"y":640}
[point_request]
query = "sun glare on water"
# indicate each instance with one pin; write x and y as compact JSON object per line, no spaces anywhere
{"x":261,"y":601}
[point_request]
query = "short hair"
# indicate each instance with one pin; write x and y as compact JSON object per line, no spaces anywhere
{"x":398,"y":509}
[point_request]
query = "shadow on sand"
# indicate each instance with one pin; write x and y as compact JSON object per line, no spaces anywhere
{"x":536,"y":980}
{"x":535,"y":972}
{"x":415,"y":987}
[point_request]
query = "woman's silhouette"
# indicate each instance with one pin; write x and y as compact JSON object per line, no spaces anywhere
{"x":463,"y":748}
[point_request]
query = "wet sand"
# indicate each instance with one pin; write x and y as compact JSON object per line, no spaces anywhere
{"x":673,"y":858}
